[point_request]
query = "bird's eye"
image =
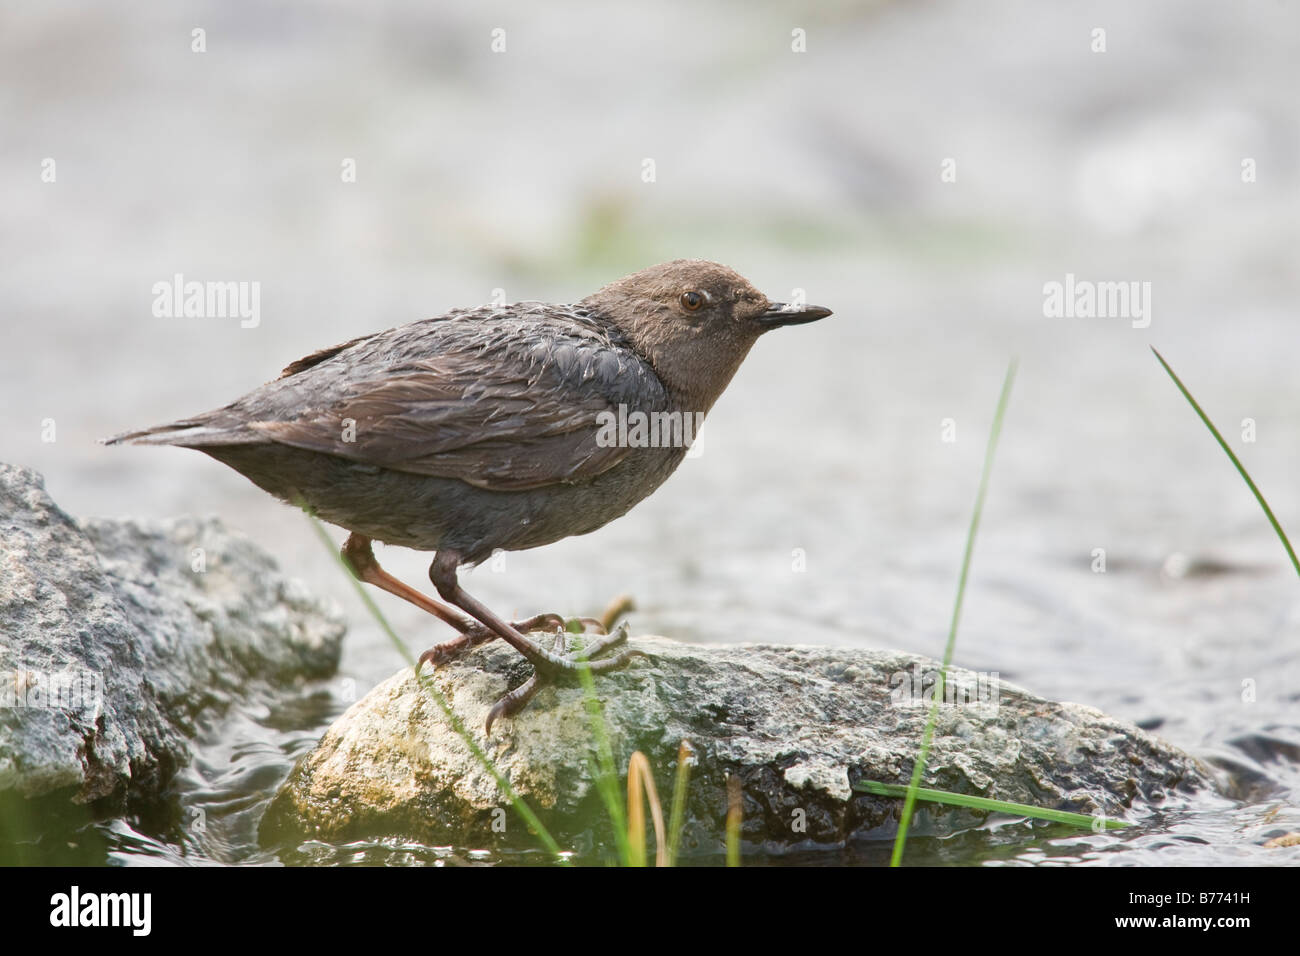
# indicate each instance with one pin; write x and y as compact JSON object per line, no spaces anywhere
{"x":692,"y":301}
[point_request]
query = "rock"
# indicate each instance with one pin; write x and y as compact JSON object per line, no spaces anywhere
{"x":117,"y":636}
{"x":798,"y":725}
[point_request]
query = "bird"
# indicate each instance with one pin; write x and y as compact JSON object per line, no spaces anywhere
{"x":494,"y":429}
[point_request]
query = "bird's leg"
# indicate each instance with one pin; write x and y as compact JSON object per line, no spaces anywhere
{"x":443,"y":574}
{"x":361,"y":561}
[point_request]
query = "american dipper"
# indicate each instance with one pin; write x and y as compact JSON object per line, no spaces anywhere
{"x":493,"y":428}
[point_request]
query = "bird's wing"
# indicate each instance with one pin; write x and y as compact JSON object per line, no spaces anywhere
{"x":311,"y":361}
{"x":501,"y":405}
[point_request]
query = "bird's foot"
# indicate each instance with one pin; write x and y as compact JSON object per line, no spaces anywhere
{"x":559,"y":661}
{"x":478,"y":634}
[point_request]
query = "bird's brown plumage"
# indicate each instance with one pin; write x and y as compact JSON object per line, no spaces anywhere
{"x":504,"y":399}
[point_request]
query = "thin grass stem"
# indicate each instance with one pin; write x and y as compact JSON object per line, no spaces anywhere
{"x":909,"y":804}
{"x":1241,"y":469}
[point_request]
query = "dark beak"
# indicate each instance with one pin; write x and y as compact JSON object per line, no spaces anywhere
{"x":781,"y":313}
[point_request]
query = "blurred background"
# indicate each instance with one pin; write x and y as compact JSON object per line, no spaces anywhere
{"x":923,"y":169}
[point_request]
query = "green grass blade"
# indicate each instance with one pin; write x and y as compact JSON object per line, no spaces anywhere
{"x":523,"y":809}
{"x":605,"y":774}
{"x":985,"y":803}
{"x":1241,"y":469}
{"x":909,"y":804}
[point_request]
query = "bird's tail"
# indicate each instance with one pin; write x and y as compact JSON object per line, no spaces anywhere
{"x":187,"y":433}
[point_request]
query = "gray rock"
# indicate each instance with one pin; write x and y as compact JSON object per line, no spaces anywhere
{"x":116,"y":636}
{"x":798,"y":725}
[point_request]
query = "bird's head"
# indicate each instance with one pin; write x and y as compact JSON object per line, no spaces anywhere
{"x":694,"y":321}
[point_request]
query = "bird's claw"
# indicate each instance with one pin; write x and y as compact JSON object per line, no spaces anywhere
{"x":478,"y":634}
{"x":546,"y":671}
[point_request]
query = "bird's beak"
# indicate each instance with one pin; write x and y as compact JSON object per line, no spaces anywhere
{"x":783,"y":313}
